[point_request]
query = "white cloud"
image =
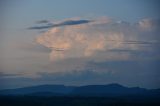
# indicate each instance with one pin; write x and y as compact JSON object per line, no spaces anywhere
{"x":149,"y":24}
{"x":92,"y":39}
{"x":145,"y":24}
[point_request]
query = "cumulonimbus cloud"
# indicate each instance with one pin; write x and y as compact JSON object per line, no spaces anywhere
{"x":94,"y":38}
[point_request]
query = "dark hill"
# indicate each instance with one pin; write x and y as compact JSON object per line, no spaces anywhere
{"x":110,"y":90}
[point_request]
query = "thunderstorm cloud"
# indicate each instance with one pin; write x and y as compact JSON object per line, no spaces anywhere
{"x":94,"y":39}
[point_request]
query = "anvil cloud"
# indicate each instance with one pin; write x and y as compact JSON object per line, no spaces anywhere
{"x":94,"y":39}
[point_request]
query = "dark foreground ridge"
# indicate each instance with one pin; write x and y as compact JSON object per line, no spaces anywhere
{"x":90,"y":95}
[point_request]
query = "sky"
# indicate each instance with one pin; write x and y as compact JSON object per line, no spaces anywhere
{"x":79,"y":42}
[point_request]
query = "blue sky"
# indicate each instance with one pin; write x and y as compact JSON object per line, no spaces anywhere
{"x":127,"y":10}
{"x":90,"y":42}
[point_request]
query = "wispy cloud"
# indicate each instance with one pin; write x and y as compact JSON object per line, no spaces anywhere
{"x":42,"y":22}
{"x":5,"y":75}
{"x":52,"y":25}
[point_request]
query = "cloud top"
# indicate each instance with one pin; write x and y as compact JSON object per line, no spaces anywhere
{"x":93,"y":39}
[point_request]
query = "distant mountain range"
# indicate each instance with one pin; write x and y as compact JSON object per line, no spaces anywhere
{"x":110,"y":90}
